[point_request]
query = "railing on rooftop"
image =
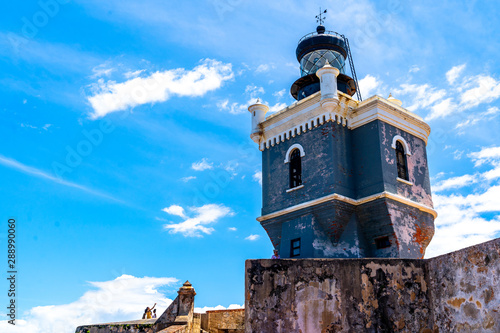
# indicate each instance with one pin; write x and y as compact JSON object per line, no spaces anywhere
{"x":331,"y":33}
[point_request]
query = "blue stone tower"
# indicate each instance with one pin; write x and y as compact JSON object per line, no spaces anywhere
{"x":341,"y":177}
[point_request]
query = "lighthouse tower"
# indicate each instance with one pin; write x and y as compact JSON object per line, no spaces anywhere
{"x":341,"y":177}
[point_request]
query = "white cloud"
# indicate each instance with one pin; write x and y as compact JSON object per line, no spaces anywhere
{"x":485,"y":155}
{"x":414,"y":69}
{"x":441,"y":109}
{"x":489,"y":155}
{"x":186,"y":179}
{"x":493,"y":110}
{"x":235,"y":108}
{"x":462,"y":221}
{"x":457,"y":154}
{"x":455,"y":182}
{"x":175,"y":210}
{"x":202,"y":165}
{"x":277,"y":107}
{"x":231,"y":167}
{"x":423,"y":95}
{"x":486,"y":89}
{"x":218,"y":307}
{"x":453,"y":74}
{"x":252,"y":237}
{"x":121,"y":299}
{"x":133,"y":74}
{"x":111,"y":96}
{"x":264,"y":68}
{"x":195,"y":226}
{"x":254,"y":91}
{"x":101,"y":70}
{"x":473,"y":91}
{"x":28,"y":126}
{"x":368,"y":85}
{"x":279,"y":94}
{"x":232,"y":229}
{"x":258,"y":177}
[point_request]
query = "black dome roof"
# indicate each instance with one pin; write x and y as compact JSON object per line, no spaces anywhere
{"x":321,"y":40}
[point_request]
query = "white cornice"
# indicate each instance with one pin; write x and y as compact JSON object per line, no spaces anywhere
{"x":379,"y":108}
{"x":351,"y":201}
{"x":307,"y":113}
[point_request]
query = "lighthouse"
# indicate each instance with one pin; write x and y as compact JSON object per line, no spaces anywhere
{"x":342,"y":177}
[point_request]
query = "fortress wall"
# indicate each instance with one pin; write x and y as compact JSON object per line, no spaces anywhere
{"x":224,"y":320}
{"x":376,"y":295}
{"x":336,"y":295}
{"x":465,"y":293}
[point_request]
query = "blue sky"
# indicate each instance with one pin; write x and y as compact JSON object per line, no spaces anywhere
{"x":126,"y":157}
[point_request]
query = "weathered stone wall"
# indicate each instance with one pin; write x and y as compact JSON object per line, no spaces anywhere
{"x":336,"y":295}
{"x":224,"y":321}
{"x":457,"y":292}
{"x":196,"y":322}
{"x":466,"y":289}
{"x":146,"y":326}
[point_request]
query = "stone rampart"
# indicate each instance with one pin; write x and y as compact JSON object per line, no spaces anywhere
{"x":451,"y":293}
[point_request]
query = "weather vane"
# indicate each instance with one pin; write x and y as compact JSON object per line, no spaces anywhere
{"x":320,"y":18}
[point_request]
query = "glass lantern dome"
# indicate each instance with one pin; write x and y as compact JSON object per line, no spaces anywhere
{"x":314,"y":60}
{"x":312,"y":52}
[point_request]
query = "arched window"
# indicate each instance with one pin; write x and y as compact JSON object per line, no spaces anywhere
{"x":401,"y":161}
{"x":295,"y":168}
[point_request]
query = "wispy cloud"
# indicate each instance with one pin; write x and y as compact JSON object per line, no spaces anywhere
{"x":252,"y":237}
{"x":279,"y":94}
{"x":13,"y":164}
{"x":414,"y":69}
{"x":422,"y":95}
{"x":455,"y":182}
{"x":197,"y":225}
{"x":264,"y":68}
{"x":188,"y":178}
{"x":111,"y":96}
{"x":56,"y":57}
{"x":102,"y":70}
{"x":202,"y":165}
{"x":453,"y":74}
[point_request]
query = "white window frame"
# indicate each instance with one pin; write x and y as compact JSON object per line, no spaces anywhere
{"x":292,"y":147}
{"x":403,"y":141}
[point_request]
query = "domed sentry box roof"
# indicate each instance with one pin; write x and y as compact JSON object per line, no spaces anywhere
{"x":312,"y":52}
